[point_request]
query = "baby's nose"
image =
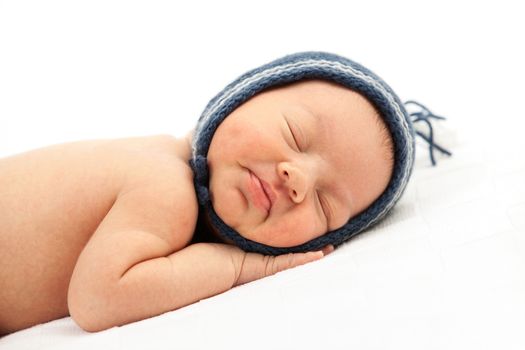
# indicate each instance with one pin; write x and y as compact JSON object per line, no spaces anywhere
{"x":297,"y":180}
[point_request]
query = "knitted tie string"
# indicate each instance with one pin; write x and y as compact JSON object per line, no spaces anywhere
{"x":425,"y":115}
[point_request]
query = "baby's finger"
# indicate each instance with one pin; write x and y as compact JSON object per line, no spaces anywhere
{"x":287,"y":261}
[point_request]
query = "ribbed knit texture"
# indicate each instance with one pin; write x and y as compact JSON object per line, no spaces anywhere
{"x":292,"y":68}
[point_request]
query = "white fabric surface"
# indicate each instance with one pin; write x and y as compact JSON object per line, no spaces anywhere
{"x":446,"y":270}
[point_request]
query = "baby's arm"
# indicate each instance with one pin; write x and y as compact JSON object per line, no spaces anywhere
{"x":137,"y":265}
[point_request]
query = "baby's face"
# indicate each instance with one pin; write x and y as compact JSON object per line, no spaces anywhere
{"x":294,"y":162}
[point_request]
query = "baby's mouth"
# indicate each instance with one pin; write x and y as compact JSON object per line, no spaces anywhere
{"x":269,"y":192}
{"x":259,"y":194}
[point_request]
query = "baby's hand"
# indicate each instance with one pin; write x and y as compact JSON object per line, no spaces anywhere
{"x":253,"y":266}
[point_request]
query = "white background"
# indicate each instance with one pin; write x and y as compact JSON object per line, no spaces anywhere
{"x":445,"y":271}
{"x":73,"y":70}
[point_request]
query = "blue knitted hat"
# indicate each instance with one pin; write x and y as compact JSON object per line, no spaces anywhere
{"x":288,"y":69}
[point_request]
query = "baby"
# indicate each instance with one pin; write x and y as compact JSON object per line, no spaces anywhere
{"x":288,"y":162}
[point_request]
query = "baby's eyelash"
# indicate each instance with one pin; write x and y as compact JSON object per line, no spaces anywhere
{"x":322,"y":206}
{"x":293,"y":136}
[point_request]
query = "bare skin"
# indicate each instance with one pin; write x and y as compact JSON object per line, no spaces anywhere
{"x":89,"y":224}
{"x":52,"y":201}
{"x":100,"y":230}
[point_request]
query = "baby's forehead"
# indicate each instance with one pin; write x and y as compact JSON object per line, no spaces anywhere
{"x":330,"y":104}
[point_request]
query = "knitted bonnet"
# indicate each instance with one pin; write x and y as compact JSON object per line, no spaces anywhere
{"x":292,"y":68}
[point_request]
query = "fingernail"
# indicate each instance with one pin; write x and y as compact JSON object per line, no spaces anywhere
{"x":319,"y":251}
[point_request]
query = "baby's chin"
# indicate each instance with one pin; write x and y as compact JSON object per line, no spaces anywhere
{"x":215,"y":232}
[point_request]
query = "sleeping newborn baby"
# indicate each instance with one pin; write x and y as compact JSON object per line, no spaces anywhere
{"x":295,"y":162}
{"x":286,"y":163}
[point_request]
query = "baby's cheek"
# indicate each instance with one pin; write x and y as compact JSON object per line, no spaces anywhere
{"x":303,"y":227}
{"x":252,"y":137}
{"x":227,"y":204}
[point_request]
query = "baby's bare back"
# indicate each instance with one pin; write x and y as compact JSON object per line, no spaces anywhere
{"x":51,"y":202}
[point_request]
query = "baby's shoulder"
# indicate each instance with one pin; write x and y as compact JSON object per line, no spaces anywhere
{"x":159,"y":161}
{"x":156,"y":184}
{"x":163,"y":158}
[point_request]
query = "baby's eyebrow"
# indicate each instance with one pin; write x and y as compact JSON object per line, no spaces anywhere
{"x":310,"y":125}
{"x":313,"y":116}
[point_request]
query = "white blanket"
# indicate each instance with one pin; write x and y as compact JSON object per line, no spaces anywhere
{"x":446,"y":270}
